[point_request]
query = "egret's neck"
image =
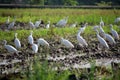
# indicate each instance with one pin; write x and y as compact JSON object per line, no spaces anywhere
{"x":79,"y":33}
{"x":100,"y":27}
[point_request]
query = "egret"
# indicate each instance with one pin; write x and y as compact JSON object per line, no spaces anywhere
{"x":101,"y":22}
{"x":101,"y":40}
{"x":117,"y":20}
{"x":9,"y":48}
{"x":43,"y":42}
{"x":11,"y":25}
{"x":37,"y":23}
{"x":62,"y":22}
{"x":30,"y":38}
{"x":17,"y":42}
{"x":48,"y":25}
{"x":110,"y":39}
{"x":35,"y":48}
{"x":95,"y":27}
{"x":114,"y":33}
{"x":31,"y":24}
{"x":8,"y":21}
{"x":73,"y":25}
{"x":83,"y":28}
{"x":67,"y":43}
{"x":102,"y":33}
{"x":81,"y":40}
{"x":107,"y":36}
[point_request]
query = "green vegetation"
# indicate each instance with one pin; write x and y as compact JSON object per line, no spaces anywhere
{"x":42,"y":70}
{"x":54,"y":15}
{"x":92,"y":16}
{"x":102,"y":3}
{"x":52,"y":32}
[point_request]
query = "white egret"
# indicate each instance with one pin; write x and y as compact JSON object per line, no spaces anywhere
{"x":17,"y":42}
{"x":117,"y":20}
{"x":114,"y":33}
{"x":31,"y":24}
{"x":110,"y":39}
{"x":35,"y":48}
{"x":8,"y":21}
{"x":107,"y":36}
{"x":9,"y":48}
{"x":62,"y":22}
{"x":95,"y":27}
{"x":102,"y":33}
{"x":81,"y":40}
{"x":11,"y":25}
{"x":101,"y":40}
{"x":73,"y":25}
{"x":83,"y":28}
{"x":101,"y":22}
{"x":67,"y":43}
{"x":48,"y":25}
{"x":30,"y":38}
{"x":43,"y":42}
{"x":37,"y":23}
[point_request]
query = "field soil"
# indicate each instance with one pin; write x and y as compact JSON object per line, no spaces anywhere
{"x":78,"y":57}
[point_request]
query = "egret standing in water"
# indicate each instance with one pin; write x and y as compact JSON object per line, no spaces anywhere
{"x":17,"y":42}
